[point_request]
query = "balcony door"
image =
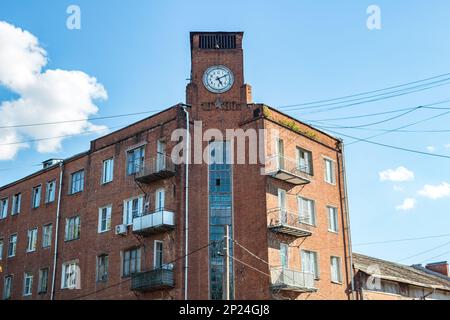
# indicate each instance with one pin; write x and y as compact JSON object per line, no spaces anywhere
{"x":280,"y":153}
{"x":282,"y":205}
{"x":160,"y":199}
{"x":284,"y":255}
{"x":161,"y":156}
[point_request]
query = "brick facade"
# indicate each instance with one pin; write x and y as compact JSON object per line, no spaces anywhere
{"x":254,"y":195}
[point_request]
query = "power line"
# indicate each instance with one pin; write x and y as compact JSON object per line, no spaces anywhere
{"x":432,"y":258}
{"x":78,"y":120}
{"x":368,"y":92}
{"x":422,"y":252}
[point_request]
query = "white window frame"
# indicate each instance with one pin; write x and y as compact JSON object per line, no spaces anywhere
{"x":27,"y":276}
{"x":160,"y":201}
{"x":284,"y":246}
{"x":14,"y":245}
{"x":2,"y":245}
{"x":104,"y":216}
{"x":107,"y":171}
{"x":36,"y":197}
{"x":315,"y":260}
{"x":138,"y":262}
{"x":127,"y":215}
{"x":308,"y":168}
{"x":72,"y":229}
{"x":41,"y":280}
{"x":16,"y":204}
{"x":7,"y":287}
{"x":333,"y":171}
{"x":338,"y":272}
{"x":70,"y":280}
{"x":155,"y":254}
{"x":141,"y":160}
{"x":305,"y":219}
{"x":331,"y":210}
{"x":32,"y":239}
{"x":50,"y":191}
{"x":47,"y":231}
{"x":4,"y":208}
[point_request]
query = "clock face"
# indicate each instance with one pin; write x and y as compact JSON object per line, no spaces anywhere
{"x":218,"y":79}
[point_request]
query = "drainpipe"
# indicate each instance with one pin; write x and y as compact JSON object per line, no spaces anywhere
{"x":58,"y":209}
{"x":186,"y":204}
{"x":347,"y":217}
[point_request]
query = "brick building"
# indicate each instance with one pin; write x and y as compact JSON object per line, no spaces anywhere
{"x":110,"y":223}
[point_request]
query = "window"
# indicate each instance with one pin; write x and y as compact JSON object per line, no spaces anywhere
{"x":50,"y":192}
{"x":3,"y":208}
{"x":330,"y":171}
{"x":43,"y":281}
{"x":102,"y":268}
{"x":104,"y":219}
{"x":336,"y":269}
{"x":12,"y":245}
{"x":280,"y":153}
{"x":70,"y":276}
{"x":304,"y":161}
{"x":132,"y":208}
{"x":135,"y":160}
{"x":32,"y":239}
{"x":309,"y":262}
{"x":27,"y":284}
{"x":284,"y":255}
{"x":1,"y":249}
{"x":131,"y":262}
{"x":36,"y":200}
{"x":160,"y":155}
{"x":47,"y":236}
{"x":332,"y":219}
{"x":7,"y":288}
{"x":108,"y":171}
{"x":77,"y":182}
{"x":160,"y":199}
{"x":72,"y":231}
{"x":158,"y":255}
{"x":307,"y":211}
{"x":17,"y":199}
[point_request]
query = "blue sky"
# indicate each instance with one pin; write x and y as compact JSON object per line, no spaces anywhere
{"x":295,"y":52}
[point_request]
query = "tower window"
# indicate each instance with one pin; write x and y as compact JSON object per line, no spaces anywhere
{"x":217,"y":41}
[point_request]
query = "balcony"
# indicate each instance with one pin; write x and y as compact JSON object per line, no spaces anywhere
{"x":155,"y":169}
{"x":286,"y":169}
{"x":154,"y":222}
{"x":290,"y":223}
{"x":157,"y":279}
{"x":291,"y":280}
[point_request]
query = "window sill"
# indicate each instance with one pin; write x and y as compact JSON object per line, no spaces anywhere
{"x":74,"y":193}
{"x":332,"y":231}
{"x":106,"y":183}
{"x":103,"y":231}
{"x":336,"y":282}
{"x":31,"y":251}
{"x":70,"y":240}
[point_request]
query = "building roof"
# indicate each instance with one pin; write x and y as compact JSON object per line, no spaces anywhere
{"x":399,"y":273}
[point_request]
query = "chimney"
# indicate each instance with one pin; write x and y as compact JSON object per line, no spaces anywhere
{"x":439,"y":267}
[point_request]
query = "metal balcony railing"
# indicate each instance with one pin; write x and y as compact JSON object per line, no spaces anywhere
{"x":160,"y":167}
{"x":287,"y":169}
{"x":287,"y":279}
{"x":156,"y":279}
{"x":153,"y":222}
{"x":282,"y":221}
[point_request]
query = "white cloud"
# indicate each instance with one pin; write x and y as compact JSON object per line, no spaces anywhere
{"x":408,"y":204}
{"x":431,"y":149}
{"x":44,"y":96}
{"x":435,"y":192}
{"x":447,"y":146}
{"x":398,"y":175}
{"x":398,"y":188}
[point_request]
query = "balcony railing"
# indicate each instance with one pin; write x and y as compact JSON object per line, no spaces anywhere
{"x":287,"y":279}
{"x":287,"y":169}
{"x":283,"y":221}
{"x":156,"y":279}
{"x":160,"y":167}
{"x":153,"y":222}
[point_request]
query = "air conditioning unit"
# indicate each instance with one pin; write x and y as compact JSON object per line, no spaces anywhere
{"x":121,"y":229}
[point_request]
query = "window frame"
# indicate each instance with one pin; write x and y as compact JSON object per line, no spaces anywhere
{"x":46,"y":235}
{"x":333,"y":172}
{"x":16,"y":205}
{"x":128,"y":162}
{"x":80,"y":181}
{"x":4,"y":202}
{"x":108,"y":219}
{"x":104,"y":171}
{"x":105,"y":268}
{"x":2,"y":247}
{"x":339,"y":269}
{"x":316,"y":262}
{"x":14,"y":245}
{"x":64,"y":277}
{"x":155,"y":254}
{"x":310,"y":161}
{"x":335,"y":218}
{"x":41,"y":282}
{"x":50,"y":192}
{"x":126,"y":214}
{"x":313,"y":216}
{"x":67,"y":226}
{"x":36,"y":197}
{"x":138,"y":261}
{"x":32,"y":240}
{"x":5,"y":280}
{"x":30,"y":276}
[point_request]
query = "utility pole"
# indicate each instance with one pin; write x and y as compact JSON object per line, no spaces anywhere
{"x":227,"y":262}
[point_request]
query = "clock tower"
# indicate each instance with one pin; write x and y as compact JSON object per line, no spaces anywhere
{"x":217,"y":75}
